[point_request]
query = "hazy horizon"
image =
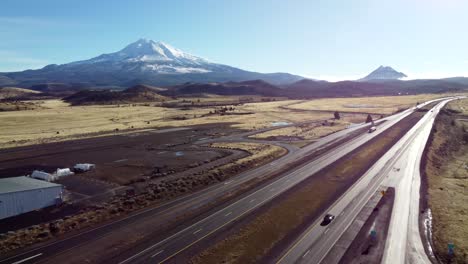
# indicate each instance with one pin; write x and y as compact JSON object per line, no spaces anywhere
{"x":332,"y":40}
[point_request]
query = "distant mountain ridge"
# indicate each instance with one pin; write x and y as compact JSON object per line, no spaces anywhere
{"x":254,"y":87}
{"x":384,"y":73}
{"x":144,"y":61}
{"x":138,"y":93}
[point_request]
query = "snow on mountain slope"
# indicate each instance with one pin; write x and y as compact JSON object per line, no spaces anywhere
{"x":144,"y":61}
{"x":157,"y":56}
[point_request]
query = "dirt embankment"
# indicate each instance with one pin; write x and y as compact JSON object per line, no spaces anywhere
{"x":445,"y":183}
{"x":280,"y":221}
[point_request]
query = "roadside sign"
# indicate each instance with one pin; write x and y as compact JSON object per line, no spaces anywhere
{"x":451,"y":248}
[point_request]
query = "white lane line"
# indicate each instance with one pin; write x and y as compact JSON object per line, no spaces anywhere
{"x":26,"y":259}
{"x":288,"y":180}
{"x":306,"y":253}
{"x":272,"y":189}
{"x":228,"y":214}
{"x":121,"y":160}
{"x":326,"y":230}
{"x":228,"y":182}
{"x":251,"y":201}
{"x":197,"y":231}
{"x":157,"y":253}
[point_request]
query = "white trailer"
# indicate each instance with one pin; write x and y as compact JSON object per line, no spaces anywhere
{"x":41,"y":175}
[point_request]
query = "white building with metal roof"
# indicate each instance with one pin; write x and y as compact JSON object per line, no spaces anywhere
{"x":20,"y":195}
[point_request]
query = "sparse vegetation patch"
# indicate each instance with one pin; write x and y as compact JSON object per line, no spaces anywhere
{"x":446,"y":171}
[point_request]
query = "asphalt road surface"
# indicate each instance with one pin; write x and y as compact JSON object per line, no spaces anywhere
{"x":404,"y":243}
{"x":314,"y":244}
{"x":163,"y":249}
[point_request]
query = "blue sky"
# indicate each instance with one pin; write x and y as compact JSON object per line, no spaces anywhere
{"x":327,"y":39}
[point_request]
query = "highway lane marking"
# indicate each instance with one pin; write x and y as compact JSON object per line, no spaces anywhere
{"x":197,"y":231}
{"x":26,"y":259}
{"x":166,"y":239}
{"x":157,"y":253}
{"x":112,"y":223}
{"x":272,"y":189}
{"x":308,"y":251}
{"x":228,"y":182}
{"x":385,"y":168}
{"x":336,"y":202}
{"x":326,"y":230}
{"x":209,"y":232}
{"x":228,"y":214}
{"x":129,"y":217}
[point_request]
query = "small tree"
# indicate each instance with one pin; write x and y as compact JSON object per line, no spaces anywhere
{"x":369,"y":119}
{"x":337,"y":115}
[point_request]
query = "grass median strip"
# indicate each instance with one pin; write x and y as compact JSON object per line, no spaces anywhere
{"x":283,"y":219}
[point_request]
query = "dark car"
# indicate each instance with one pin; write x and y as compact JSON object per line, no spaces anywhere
{"x":327,"y":219}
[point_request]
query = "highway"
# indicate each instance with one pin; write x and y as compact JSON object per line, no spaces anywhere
{"x":165,"y":249}
{"x":107,"y":235}
{"x":161,"y":249}
{"x":314,"y":244}
{"x":404,"y":243}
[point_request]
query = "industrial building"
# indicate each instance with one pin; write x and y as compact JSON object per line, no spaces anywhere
{"x":20,"y":195}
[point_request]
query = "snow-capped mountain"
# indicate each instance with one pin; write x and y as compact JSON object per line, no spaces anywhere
{"x":144,"y":61}
{"x":158,"y":57}
{"x":384,"y":73}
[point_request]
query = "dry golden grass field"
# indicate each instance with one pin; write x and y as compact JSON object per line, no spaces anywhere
{"x":12,"y":92}
{"x":377,"y":105}
{"x":56,"y":120}
{"x":258,"y":153}
{"x":306,"y":131}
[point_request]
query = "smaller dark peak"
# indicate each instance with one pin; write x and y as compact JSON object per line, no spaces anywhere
{"x":384,"y":73}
